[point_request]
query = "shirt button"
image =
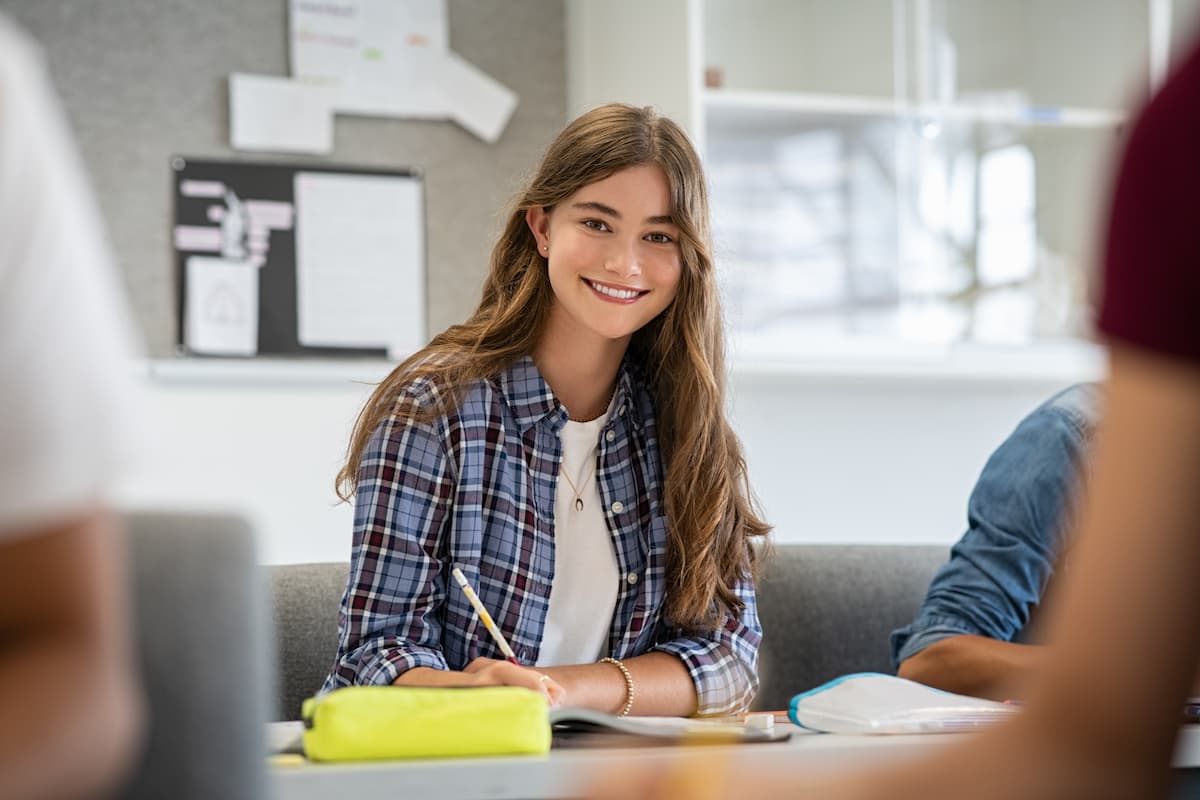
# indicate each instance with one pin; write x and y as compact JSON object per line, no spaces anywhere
{"x":617,"y":507}
{"x":631,"y":578}
{"x":610,"y":436}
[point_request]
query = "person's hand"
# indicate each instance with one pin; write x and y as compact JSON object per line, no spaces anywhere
{"x":492,"y":672}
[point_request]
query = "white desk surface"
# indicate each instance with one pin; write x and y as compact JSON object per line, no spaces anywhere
{"x":559,"y":773}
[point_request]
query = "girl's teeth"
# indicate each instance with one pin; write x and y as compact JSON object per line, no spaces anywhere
{"x":617,"y":293}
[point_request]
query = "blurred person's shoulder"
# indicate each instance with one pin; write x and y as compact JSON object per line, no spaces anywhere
{"x":1151,"y":285}
{"x":71,"y":410}
{"x":20,"y":57}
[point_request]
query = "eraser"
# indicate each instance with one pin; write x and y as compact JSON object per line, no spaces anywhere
{"x":761,"y":722}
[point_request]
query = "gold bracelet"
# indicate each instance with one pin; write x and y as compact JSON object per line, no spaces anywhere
{"x":628,"y":684}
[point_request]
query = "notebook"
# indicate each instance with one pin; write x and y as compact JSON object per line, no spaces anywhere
{"x":574,"y":727}
{"x":870,"y":702}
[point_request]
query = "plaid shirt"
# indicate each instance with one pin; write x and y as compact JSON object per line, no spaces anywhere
{"x":475,"y":489}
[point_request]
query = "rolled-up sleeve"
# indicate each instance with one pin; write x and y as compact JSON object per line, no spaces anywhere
{"x":390,"y":614}
{"x":724,"y":663}
{"x":1017,"y":515}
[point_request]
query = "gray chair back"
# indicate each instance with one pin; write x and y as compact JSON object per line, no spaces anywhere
{"x":305,"y":598}
{"x":828,"y":610}
{"x":202,"y":638}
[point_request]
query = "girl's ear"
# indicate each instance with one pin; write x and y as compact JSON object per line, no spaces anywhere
{"x":539,"y":223}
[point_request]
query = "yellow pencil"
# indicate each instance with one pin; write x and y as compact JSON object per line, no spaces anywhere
{"x":484,"y":616}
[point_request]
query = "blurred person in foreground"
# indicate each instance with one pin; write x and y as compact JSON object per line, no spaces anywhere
{"x":1103,"y":710}
{"x":70,"y":709}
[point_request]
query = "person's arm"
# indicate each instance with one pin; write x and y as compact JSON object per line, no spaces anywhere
{"x":981,"y":600}
{"x":1130,"y":603}
{"x":663,"y":687}
{"x":390,"y":624}
{"x":975,"y":666}
{"x":487,"y":672}
{"x":722,"y":664}
{"x":714,"y":673}
{"x":68,"y":696}
{"x":390,"y":618}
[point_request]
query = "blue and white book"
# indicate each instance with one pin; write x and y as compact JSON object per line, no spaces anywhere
{"x":871,"y":702}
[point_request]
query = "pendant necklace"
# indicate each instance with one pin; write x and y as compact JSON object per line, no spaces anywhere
{"x":576,"y":489}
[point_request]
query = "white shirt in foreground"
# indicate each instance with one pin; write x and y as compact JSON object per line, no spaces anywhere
{"x":65,"y":376}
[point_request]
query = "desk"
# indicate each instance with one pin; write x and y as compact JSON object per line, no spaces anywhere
{"x":558,"y":774}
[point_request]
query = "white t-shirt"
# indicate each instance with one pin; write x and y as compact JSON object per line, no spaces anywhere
{"x":65,"y":376}
{"x":584,"y":592}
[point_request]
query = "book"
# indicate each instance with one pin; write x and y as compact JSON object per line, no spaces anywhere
{"x":870,"y":702}
{"x":573,"y":727}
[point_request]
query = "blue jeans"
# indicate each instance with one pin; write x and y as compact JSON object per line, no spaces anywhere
{"x":1017,"y":517}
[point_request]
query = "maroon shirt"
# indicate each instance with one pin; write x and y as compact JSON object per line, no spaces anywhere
{"x":1152,"y":262}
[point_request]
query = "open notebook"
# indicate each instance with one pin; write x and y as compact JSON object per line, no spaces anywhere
{"x":584,"y":727}
{"x":871,"y":702}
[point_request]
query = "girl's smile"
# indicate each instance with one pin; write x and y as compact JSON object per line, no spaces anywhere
{"x":614,"y":293}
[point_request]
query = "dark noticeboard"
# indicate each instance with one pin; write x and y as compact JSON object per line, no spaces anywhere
{"x":298,"y":260}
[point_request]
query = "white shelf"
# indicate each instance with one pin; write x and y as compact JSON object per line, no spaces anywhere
{"x":871,"y":360}
{"x":735,"y":111}
{"x":1032,"y":115}
{"x":859,"y":359}
{"x":268,"y":371}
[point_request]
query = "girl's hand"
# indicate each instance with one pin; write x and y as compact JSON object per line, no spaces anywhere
{"x":492,"y":672}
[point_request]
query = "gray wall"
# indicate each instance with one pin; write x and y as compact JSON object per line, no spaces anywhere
{"x":144,"y":79}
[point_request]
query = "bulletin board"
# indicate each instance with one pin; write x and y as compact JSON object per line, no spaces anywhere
{"x":298,"y":260}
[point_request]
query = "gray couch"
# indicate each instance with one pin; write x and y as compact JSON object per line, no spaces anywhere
{"x":826,"y":610}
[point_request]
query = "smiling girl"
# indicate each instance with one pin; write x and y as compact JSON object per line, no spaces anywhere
{"x":566,"y":447}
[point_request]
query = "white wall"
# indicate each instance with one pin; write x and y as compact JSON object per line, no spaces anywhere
{"x":843,"y":452}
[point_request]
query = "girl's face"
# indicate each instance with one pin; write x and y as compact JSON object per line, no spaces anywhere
{"x":614,"y":255}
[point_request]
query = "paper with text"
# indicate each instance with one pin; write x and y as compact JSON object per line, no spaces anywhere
{"x":378,"y":55}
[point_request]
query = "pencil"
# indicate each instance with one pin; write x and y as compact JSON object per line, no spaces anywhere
{"x":485,"y":617}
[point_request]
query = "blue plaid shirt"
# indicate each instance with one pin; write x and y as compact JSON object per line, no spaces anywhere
{"x":475,"y":489}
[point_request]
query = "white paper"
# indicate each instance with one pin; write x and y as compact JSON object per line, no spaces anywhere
{"x":478,"y":102}
{"x":285,"y":737}
{"x":360,"y":262}
{"x":379,"y":55}
{"x":272,"y":113}
{"x":222,"y":307}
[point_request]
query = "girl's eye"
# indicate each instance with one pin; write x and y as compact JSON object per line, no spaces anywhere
{"x":595,"y":224}
{"x":659,"y":238}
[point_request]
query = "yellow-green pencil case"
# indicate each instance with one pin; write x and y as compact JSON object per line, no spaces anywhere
{"x":370,"y":723}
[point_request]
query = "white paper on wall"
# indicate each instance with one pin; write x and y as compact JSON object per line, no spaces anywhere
{"x":477,"y":101}
{"x":392,"y":58}
{"x":360,"y":251}
{"x":221,"y":315}
{"x":378,"y":55}
{"x":273,"y":113}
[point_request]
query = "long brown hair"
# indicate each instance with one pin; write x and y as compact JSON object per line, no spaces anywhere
{"x":710,"y":512}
